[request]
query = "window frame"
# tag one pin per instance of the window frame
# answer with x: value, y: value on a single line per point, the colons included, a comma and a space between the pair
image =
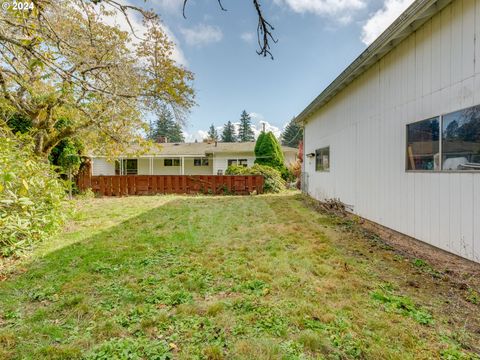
x: 121, y: 168
x: 204, y: 161
x: 173, y: 160
x: 440, y: 146
x: 319, y: 152
x: 237, y: 162
x: 440, y: 122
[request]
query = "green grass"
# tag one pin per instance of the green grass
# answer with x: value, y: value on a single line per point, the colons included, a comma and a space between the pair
x: 262, y: 277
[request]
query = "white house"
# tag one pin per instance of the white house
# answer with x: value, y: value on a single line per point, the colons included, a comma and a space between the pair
x: 203, y: 158
x: 397, y: 134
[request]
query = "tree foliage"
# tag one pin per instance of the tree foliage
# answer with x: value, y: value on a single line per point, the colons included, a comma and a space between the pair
x: 245, y: 132
x: 166, y: 126
x: 64, y: 60
x: 292, y: 135
x: 212, y: 133
x: 30, y: 195
x: 268, y: 151
x: 228, y: 133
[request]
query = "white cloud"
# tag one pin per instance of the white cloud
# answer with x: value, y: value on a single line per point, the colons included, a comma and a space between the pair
x: 198, y: 135
x: 383, y: 18
x: 118, y: 20
x: 341, y: 10
x: 257, y: 126
x: 202, y: 34
x: 169, y: 5
x: 248, y: 37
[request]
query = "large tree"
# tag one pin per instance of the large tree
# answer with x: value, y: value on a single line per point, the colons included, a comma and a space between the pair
x: 63, y: 60
x: 228, y: 133
x: 165, y: 126
x: 292, y: 135
x: 245, y: 132
x: 212, y: 133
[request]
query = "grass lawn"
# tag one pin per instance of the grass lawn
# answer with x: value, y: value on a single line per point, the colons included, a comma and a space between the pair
x: 262, y: 277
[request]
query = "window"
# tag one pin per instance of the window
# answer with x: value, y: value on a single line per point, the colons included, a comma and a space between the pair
x: 461, y: 140
x: 239, y: 162
x: 126, y: 167
x: 322, y: 159
x: 423, y: 145
x: 459, y: 149
x: 171, y: 162
x: 200, y: 162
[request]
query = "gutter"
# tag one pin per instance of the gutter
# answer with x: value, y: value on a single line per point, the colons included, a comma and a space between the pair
x: 407, y: 23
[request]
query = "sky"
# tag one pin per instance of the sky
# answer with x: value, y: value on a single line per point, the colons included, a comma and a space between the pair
x: 317, y: 40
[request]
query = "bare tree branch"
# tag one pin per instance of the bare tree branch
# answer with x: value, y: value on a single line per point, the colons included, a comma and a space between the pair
x: 264, y: 28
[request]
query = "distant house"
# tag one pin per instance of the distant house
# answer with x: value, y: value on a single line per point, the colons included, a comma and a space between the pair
x: 397, y: 134
x: 203, y: 158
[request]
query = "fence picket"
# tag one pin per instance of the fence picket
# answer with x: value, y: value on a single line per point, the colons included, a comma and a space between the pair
x: 122, y: 185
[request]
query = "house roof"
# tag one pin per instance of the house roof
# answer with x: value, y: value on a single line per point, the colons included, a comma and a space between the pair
x: 203, y: 148
x: 407, y: 23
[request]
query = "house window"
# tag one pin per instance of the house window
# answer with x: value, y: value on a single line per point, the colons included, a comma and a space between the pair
x: 171, y: 162
x: 126, y: 167
x: 200, y: 162
x: 239, y: 162
x: 322, y: 159
x: 461, y: 140
x: 459, y: 148
x: 423, y: 145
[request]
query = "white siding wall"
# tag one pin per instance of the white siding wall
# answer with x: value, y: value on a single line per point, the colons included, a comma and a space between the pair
x: 158, y: 168
x: 101, y: 166
x: 434, y: 71
x: 290, y: 158
x: 190, y: 169
x: 220, y: 161
x: 144, y: 166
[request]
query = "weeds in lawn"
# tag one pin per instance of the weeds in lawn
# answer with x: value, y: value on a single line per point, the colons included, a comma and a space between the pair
x: 401, y: 304
x: 424, y: 266
x: 210, y: 278
x: 472, y: 296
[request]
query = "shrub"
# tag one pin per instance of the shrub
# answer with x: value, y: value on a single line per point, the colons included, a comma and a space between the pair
x: 30, y: 195
x: 269, y: 152
x: 273, y: 179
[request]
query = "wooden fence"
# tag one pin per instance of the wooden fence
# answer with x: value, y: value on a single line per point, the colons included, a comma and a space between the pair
x: 171, y: 184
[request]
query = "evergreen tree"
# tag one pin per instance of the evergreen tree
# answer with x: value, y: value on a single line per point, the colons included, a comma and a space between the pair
x: 228, y: 134
x: 166, y: 126
x: 212, y: 133
x: 292, y: 135
x: 259, y: 141
x: 245, y: 132
x: 269, y: 152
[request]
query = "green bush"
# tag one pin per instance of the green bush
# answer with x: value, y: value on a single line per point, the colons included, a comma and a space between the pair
x: 31, y: 196
x: 273, y: 178
x: 268, y: 152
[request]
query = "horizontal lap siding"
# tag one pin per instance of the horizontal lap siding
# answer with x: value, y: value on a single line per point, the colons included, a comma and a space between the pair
x: 431, y: 72
x: 100, y: 166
